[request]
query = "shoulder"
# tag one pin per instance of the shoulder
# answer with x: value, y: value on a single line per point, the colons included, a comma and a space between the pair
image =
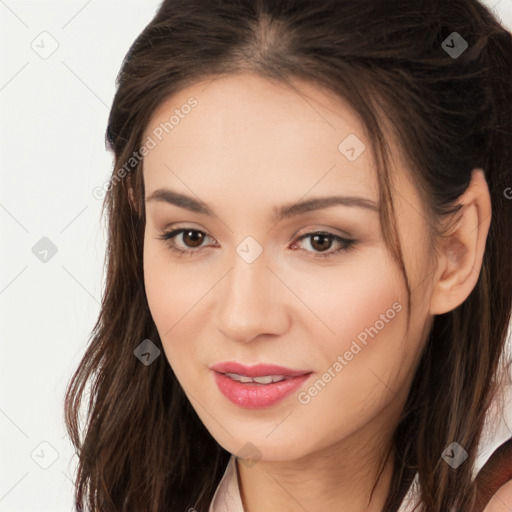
x: 502, y: 500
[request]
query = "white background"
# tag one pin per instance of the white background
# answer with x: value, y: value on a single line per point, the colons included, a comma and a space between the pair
x: 53, y: 118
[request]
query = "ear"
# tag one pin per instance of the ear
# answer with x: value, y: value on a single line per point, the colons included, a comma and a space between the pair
x: 462, y: 249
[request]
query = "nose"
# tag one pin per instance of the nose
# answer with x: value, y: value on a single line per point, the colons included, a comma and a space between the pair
x: 252, y: 301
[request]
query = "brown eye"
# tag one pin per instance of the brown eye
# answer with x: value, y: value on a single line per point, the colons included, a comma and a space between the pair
x: 191, y: 239
x: 196, y: 238
x: 321, y: 242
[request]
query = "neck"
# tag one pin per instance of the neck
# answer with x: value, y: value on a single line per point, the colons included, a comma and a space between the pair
x: 348, y: 476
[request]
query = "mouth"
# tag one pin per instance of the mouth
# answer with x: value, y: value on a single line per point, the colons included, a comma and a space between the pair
x: 267, y: 385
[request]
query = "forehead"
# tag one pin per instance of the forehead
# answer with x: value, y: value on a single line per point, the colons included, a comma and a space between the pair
x: 253, y: 136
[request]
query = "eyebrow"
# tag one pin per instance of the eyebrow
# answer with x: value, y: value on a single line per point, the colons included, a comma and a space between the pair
x: 278, y: 213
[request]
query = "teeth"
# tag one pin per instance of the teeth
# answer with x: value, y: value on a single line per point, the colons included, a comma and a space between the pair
x: 267, y: 379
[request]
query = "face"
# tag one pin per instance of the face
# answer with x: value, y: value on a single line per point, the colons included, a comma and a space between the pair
x: 316, y: 290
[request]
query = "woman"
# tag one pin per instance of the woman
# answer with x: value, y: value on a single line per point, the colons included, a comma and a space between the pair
x: 353, y: 374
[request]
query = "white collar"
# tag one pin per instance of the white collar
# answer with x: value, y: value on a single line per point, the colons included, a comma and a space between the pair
x: 227, y: 496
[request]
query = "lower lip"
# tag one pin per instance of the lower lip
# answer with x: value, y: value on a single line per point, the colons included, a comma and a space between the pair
x: 257, y: 396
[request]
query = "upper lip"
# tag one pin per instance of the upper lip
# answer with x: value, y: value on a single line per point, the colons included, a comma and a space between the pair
x: 258, y: 370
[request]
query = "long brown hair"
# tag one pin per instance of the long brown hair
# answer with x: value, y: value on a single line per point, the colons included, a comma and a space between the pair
x: 144, y: 447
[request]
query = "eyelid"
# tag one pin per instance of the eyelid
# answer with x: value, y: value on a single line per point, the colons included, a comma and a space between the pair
x: 338, y: 232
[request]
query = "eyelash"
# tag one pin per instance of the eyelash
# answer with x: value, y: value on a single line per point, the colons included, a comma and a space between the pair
x: 347, y: 243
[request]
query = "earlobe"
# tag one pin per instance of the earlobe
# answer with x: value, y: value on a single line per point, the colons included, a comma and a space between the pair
x: 462, y: 248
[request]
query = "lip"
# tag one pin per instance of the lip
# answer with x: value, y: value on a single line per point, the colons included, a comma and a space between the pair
x: 258, y: 370
x: 257, y: 396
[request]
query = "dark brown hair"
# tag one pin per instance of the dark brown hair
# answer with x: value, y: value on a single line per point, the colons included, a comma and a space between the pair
x: 144, y: 448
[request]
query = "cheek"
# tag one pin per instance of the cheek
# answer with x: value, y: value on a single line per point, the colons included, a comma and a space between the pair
x: 176, y: 296
x: 371, y: 311
x: 170, y: 287
x: 159, y: 285
x: 360, y: 345
x: 351, y: 300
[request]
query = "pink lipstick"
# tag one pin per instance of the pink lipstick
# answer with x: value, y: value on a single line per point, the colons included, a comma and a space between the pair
x: 255, y: 387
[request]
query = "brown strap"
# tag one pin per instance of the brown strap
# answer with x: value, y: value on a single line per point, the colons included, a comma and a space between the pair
x: 496, y: 472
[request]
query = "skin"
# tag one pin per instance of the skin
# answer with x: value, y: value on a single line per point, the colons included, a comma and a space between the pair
x: 249, y: 145
x: 502, y: 500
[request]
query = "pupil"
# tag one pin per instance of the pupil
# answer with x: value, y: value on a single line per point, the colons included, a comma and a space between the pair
x: 324, y: 237
x: 196, y: 237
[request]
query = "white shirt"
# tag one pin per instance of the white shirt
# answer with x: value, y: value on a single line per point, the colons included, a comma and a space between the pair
x: 227, y: 495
